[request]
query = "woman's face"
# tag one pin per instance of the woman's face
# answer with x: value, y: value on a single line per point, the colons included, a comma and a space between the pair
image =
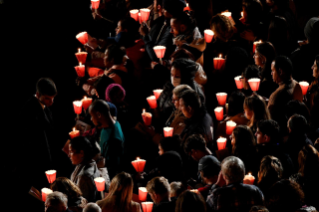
x: 175, y: 76
x: 315, y: 70
x: 260, y: 60
x: 75, y: 157
x: 187, y: 111
x: 248, y: 113
x: 118, y: 29
x: 160, y: 150
x: 175, y: 101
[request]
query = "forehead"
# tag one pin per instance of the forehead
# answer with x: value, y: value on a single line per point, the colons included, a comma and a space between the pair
x: 174, y: 22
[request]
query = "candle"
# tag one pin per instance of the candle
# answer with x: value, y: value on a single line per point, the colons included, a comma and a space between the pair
x: 304, y: 87
x: 254, y: 84
x: 51, y: 175
x: 147, y: 206
x: 242, y: 14
x: 100, y: 183
x: 45, y: 192
x: 230, y: 126
x: 255, y: 44
x: 142, y: 194
x: 80, y: 70
x: 95, y: 4
x: 227, y: 14
x: 221, y: 143
x: 139, y: 164
x: 81, y: 56
x: 219, y: 113
x: 152, y: 101
x: 194, y: 191
x: 208, y: 34
x: 145, y: 14
x: 86, y: 102
x: 77, y: 107
x: 159, y: 51
x: 187, y: 8
x: 147, y: 118
x: 249, y: 179
x: 79, y: 50
x: 221, y: 98
x: 157, y: 93
x: 134, y: 14
x: 82, y: 37
x: 168, y: 131
x: 219, y: 62
x: 74, y: 133
x: 239, y: 83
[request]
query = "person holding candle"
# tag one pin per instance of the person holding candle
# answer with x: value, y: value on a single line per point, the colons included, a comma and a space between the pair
x: 196, y: 147
x: 57, y: 202
x: 76, y: 202
x: 229, y: 193
x: 281, y: 71
x: 314, y: 86
x: 189, y: 201
x: 250, y: 72
x: 119, y: 198
x: 222, y: 27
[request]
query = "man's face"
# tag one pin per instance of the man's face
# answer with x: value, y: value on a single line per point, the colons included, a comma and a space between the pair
x: 274, y: 73
x: 175, y: 27
x: 45, y: 99
x: 260, y: 137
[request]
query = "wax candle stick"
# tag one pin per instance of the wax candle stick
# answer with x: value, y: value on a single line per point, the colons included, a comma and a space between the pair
x: 249, y: 179
x: 145, y: 14
x: 139, y: 164
x: 80, y: 70
x: 51, y: 175
x: 221, y: 143
x: 208, y: 34
x: 82, y: 37
x: 142, y: 194
x: 219, y: 62
x: 140, y: 18
x: 134, y: 14
x: 147, y: 118
x: 147, y: 206
x: 221, y: 98
x: 239, y: 83
x: 77, y: 107
x: 74, y: 133
x: 157, y: 93
x: 255, y: 44
x: 230, y: 126
x: 152, y: 101
x: 45, y: 192
x: 254, y: 84
x: 168, y: 131
x: 86, y: 102
x: 187, y: 8
x: 219, y: 113
x: 304, y: 87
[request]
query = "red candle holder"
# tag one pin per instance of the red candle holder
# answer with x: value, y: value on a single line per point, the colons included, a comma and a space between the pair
x: 142, y: 194
x: 45, y: 192
x: 254, y: 84
x: 219, y: 113
x: 82, y: 37
x: 51, y: 175
x: 134, y: 14
x: 77, y: 107
x: 304, y: 87
x: 86, y: 102
x: 159, y: 51
x: 239, y: 83
x: 81, y: 56
x: 147, y: 206
x: 221, y: 98
x: 152, y: 101
x: 249, y: 179
x: 219, y: 62
x: 230, y: 126
x: 93, y: 72
x: 221, y: 143
x: 145, y: 14
x: 140, y: 18
x: 168, y: 131
x: 74, y: 133
x: 255, y: 44
x: 147, y: 118
x: 80, y: 70
x: 139, y: 164
x: 100, y: 183
x: 157, y: 93
x: 208, y: 34
x: 95, y: 4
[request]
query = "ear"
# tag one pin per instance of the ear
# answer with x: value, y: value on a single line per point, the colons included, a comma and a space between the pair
x: 280, y: 72
x: 183, y: 27
x: 267, y: 138
x: 98, y: 114
x: 189, y: 109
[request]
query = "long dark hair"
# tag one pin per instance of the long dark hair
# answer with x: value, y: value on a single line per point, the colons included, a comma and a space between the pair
x: 267, y: 50
x: 245, y: 143
x: 83, y: 144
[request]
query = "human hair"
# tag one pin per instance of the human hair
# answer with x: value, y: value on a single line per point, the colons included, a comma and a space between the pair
x: 115, y: 93
x: 115, y: 54
x: 267, y: 50
x: 92, y: 207
x: 258, y: 208
x: 270, y: 172
x: 278, y: 32
x: 271, y: 129
x: 233, y: 169
x: 57, y: 199
x: 254, y: 10
x: 222, y: 27
x: 297, y: 107
x: 260, y: 111
x: 67, y: 187
x: 120, y: 193
x: 187, y: 67
x: 185, y: 20
x: 192, y: 100
x: 46, y: 86
x: 196, y: 142
x: 285, y: 65
x: 284, y: 195
x: 281, y: 4
x: 176, y: 188
x: 100, y: 106
x: 158, y: 185
x: 298, y: 124
x: 245, y: 143
x: 235, y: 103
x: 178, y: 90
x: 190, y: 201
x: 251, y: 71
x: 170, y: 143
x: 83, y: 144
x: 182, y: 53
x: 130, y: 25
x: 211, y: 167
x: 308, y: 159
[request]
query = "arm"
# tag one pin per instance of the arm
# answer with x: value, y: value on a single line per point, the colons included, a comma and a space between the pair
x: 87, y: 187
x: 297, y: 94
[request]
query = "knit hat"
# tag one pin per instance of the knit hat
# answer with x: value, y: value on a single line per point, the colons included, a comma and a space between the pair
x: 114, y: 89
x: 113, y: 109
x: 312, y: 30
x: 209, y: 162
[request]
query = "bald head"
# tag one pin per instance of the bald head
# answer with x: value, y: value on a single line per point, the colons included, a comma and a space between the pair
x: 92, y: 207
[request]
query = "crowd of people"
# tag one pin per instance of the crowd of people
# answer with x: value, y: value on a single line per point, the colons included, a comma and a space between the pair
x: 275, y: 141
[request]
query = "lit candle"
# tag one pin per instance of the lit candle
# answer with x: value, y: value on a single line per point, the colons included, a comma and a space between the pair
x: 86, y: 102
x: 157, y: 93
x: 142, y: 194
x: 219, y: 62
x: 51, y: 175
x: 147, y: 206
x: 160, y: 52
x: 81, y: 56
x: 100, y: 183
x: 239, y: 83
x: 219, y: 113
x: 208, y: 34
x: 80, y: 70
x: 77, y: 107
x: 230, y: 126
x: 74, y: 133
x: 139, y: 164
x: 95, y: 4
x: 254, y: 84
x: 168, y: 131
x: 255, y: 44
x: 79, y: 50
x: 134, y: 14
x: 147, y: 118
x: 152, y: 101
x: 227, y: 14
x: 82, y: 37
x: 249, y: 179
x: 304, y: 87
x: 187, y: 7
x: 145, y: 14
x: 221, y: 143
x: 242, y: 14
x: 221, y: 98
x: 45, y: 192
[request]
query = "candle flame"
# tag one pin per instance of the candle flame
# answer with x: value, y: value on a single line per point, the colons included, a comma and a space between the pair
x: 137, y: 158
x: 80, y: 64
x: 220, y: 56
x: 249, y: 174
x: 84, y: 97
x: 73, y: 129
x: 79, y: 50
x: 144, y: 110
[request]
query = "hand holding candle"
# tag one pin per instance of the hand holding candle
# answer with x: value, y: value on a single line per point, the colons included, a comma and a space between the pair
x: 45, y: 192
x: 100, y: 183
x: 304, y: 87
x: 221, y: 98
x: 254, y: 84
x: 134, y: 14
x: 145, y: 14
x: 249, y: 179
x: 81, y: 56
x: 219, y: 113
x: 208, y: 34
x: 221, y: 143
x: 168, y: 131
x: 147, y: 118
x: 219, y: 62
x: 74, y: 133
x: 160, y: 52
x: 51, y: 175
x: 139, y: 164
x: 230, y: 126
x: 147, y: 206
x: 142, y: 194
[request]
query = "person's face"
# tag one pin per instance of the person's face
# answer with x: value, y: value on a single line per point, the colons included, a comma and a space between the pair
x: 187, y: 111
x: 118, y: 29
x: 248, y: 113
x: 260, y: 60
x: 45, y: 99
x: 260, y: 137
x: 95, y: 117
x: 175, y: 100
x: 160, y: 150
x: 175, y: 27
x: 107, y: 63
x: 75, y: 157
x: 315, y: 72
x: 274, y: 73
x: 175, y: 76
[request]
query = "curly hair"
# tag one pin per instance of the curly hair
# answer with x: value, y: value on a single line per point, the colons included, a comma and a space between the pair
x: 67, y: 187
x: 222, y: 27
